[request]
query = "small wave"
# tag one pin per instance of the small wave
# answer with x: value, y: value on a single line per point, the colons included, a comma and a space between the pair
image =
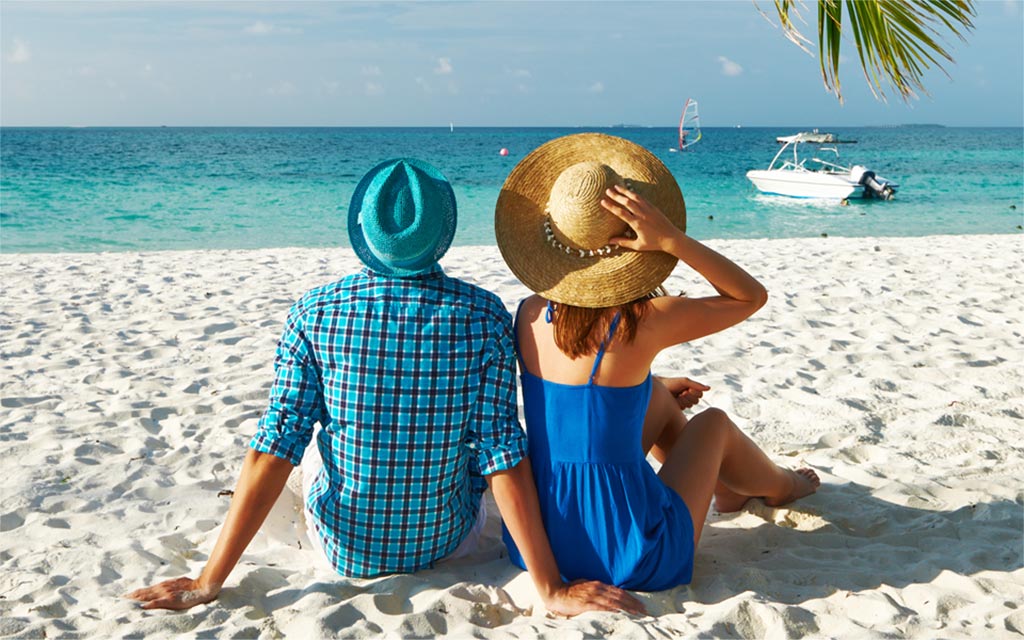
x: 129, y: 217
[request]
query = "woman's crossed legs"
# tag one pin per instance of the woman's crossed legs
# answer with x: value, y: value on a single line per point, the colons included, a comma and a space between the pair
x: 712, y: 457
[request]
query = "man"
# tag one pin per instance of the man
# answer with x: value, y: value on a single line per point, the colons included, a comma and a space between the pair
x: 411, y: 376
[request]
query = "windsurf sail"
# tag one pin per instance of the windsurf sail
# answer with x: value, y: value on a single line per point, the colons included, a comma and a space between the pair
x: 689, y: 125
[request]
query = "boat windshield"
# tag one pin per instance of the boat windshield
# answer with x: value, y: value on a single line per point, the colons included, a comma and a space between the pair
x: 797, y: 163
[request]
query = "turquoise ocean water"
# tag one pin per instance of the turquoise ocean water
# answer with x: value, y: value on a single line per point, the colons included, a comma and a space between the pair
x: 111, y: 189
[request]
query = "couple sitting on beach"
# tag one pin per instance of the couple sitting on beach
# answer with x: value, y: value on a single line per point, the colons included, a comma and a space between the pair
x: 403, y: 379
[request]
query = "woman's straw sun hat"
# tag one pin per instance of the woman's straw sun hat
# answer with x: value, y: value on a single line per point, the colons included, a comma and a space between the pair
x: 553, y: 232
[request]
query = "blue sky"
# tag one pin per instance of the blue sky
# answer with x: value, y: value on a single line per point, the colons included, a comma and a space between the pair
x: 471, y: 63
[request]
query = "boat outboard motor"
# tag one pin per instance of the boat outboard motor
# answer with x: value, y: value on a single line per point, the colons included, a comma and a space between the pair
x: 873, y: 187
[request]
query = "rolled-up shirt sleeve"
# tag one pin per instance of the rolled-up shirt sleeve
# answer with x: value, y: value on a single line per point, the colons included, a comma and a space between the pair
x: 296, y: 398
x: 495, y: 437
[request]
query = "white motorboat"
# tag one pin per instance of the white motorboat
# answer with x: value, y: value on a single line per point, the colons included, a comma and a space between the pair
x: 803, y: 177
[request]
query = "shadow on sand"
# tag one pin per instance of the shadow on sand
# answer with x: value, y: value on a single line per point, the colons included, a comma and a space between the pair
x: 840, y: 539
x: 845, y: 538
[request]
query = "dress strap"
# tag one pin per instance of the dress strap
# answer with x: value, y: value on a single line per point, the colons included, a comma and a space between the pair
x: 515, y: 333
x: 604, y: 344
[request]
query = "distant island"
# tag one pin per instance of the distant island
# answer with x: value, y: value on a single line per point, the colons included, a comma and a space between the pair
x: 911, y: 126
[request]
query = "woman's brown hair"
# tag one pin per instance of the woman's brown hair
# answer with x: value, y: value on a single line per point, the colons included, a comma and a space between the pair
x: 579, y: 331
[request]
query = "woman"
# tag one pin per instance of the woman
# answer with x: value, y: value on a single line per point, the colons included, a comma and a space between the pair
x: 594, y: 224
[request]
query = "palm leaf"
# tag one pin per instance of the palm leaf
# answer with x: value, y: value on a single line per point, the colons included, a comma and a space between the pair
x: 897, y: 41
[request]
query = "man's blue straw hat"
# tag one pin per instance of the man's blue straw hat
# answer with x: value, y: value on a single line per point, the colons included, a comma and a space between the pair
x: 402, y: 217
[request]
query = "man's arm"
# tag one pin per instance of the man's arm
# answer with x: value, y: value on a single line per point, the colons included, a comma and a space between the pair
x: 284, y: 431
x: 259, y: 485
x: 516, y: 496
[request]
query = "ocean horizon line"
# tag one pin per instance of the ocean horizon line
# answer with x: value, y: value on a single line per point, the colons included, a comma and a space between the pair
x: 909, y: 125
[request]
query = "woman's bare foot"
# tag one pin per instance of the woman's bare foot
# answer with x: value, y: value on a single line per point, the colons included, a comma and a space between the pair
x: 805, y: 482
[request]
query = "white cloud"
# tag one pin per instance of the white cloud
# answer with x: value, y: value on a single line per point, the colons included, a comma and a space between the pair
x: 20, y: 54
x: 980, y: 77
x: 374, y: 88
x: 283, y: 88
x: 729, y: 68
x: 259, y: 28
x: 372, y: 71
x: 147, y: 69
x: 424, y: 85
x: 520, y: 79
x: 444, y: 66
x: 597, y: 87
x: 87, y: 71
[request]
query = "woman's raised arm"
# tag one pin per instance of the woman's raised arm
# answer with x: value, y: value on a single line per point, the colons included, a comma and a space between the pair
x: 684, y: 319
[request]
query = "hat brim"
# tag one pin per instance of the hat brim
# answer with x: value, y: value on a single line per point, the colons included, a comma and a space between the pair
x: 447, y: 218
x: 593, y: 282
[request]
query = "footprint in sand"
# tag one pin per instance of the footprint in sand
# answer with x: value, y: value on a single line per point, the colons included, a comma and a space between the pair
x: 12, y: 520
x: 57, y: 523
x: 219, y: 327
x: 25, y: 401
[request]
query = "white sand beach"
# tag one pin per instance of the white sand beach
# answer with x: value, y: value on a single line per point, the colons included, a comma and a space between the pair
x: 894, y: 366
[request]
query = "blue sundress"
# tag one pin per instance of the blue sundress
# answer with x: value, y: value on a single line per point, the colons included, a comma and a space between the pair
x: 607, y: 514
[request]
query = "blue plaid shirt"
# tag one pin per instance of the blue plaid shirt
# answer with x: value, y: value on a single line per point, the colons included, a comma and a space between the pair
x: 413, y: 383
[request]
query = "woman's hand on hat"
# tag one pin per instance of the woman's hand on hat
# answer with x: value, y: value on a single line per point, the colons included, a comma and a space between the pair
x: 651, y: 230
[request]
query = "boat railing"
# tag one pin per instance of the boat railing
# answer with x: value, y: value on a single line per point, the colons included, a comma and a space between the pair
x: 797, y: 163
x: 789, y: 165
x: 831, y: 166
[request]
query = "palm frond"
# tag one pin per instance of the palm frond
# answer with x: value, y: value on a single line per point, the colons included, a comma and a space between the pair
x: 897, y: 41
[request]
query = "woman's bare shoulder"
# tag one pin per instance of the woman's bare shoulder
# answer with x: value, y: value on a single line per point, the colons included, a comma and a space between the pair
x: 531, y: 307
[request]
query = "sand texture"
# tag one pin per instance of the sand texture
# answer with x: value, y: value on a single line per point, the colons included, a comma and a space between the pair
x: 132, y: 382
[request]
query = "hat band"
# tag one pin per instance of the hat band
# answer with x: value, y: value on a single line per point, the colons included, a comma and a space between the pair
x: 582, y: 253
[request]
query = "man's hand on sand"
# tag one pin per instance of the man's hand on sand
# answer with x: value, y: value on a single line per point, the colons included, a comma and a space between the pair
x: 686, y: 392
x: 590, y: 595
x: 179, y: 593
